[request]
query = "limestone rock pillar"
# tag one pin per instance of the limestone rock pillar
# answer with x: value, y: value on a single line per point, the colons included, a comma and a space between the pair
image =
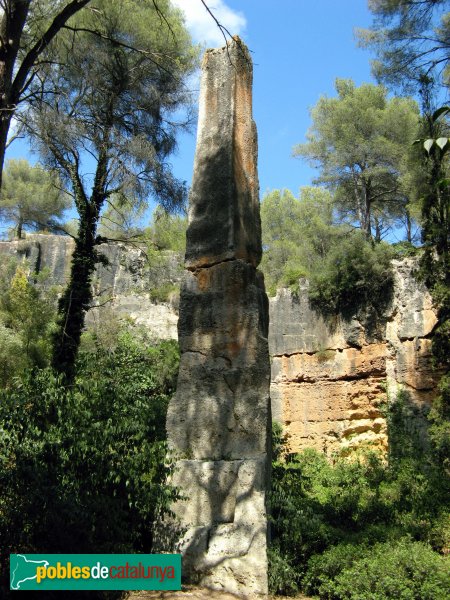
x: 219, y: 419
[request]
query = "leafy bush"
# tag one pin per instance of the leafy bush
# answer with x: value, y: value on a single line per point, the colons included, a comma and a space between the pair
x: 396, y: 569
x: 332, y: 521
x: 324, y: 568
x: 291, y: 275
x: 354, y: 277
x: 315, y: 504
x: 282, y: 576
x: 83, y: 469
x: 404, y: 249
x: 27, y: 315
x: 164, y: 292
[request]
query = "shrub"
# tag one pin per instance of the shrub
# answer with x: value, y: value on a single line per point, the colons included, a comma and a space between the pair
x: 27, y: 315
x: 396, y: 569
x: 164, y: 292
x: 354, y: 277
x: 291, y: 275
x: 282, y: 576
x: 83, y: 469
x: 328, y: 517
x: 404, y: 249
x: 324, y: 568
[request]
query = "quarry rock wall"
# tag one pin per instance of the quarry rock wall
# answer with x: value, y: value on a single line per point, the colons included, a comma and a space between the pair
x: 328, y: 384
x: 330, y: 381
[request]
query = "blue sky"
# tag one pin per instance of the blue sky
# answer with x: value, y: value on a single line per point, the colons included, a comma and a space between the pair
x: 299, y: 47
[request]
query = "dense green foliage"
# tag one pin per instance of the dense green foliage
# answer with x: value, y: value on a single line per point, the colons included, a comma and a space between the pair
x: 354, y: 277
x: 27, y: 314
x: 411, y: 40
x: 83, y: 469
x: 31, y: 198
x: 359, y: 512
x: 398, y: 569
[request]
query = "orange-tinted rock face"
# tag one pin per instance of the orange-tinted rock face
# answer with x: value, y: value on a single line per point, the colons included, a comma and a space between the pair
x: 328, y: 386
x: 332, y: 402
x: 224, y: 221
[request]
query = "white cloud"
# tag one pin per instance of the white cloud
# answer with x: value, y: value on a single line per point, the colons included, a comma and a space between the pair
x: 202, y: 26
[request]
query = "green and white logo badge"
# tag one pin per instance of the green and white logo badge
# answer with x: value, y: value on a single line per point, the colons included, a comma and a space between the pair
x: 95, y: 572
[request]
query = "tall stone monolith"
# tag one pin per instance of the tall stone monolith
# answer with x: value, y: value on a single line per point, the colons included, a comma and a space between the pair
x: 219, y: 419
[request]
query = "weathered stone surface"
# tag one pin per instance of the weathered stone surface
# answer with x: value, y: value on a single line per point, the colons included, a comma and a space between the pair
x: 224, y: 221
x: 295, y: 327
x: 328, y: 380
x: 124, y: 287
x: 160, y: 319
x: 413, y: 315
x: 218, y: 422
x: 222, y: 396
x: 51, y: 253
x: 333, y: 365
x: 408, y: 337
x: 227, y: 537
x: 331, y: 415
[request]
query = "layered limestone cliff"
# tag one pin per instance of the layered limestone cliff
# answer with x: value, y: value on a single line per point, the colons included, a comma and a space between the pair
x: 124, y: 286
x: 42, y: 253
x: 329, y: 383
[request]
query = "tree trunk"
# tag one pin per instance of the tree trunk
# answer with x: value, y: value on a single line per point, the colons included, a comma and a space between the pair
x: 77, y: 298
x: 11, y: 27
x: 366, y: 221
x: 377, y: 230
x: 19, y: 228
x: 408, y: 223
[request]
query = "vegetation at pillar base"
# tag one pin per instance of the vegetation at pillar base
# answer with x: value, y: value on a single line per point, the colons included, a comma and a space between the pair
x: 84, y: 468
x: 358, y: 527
